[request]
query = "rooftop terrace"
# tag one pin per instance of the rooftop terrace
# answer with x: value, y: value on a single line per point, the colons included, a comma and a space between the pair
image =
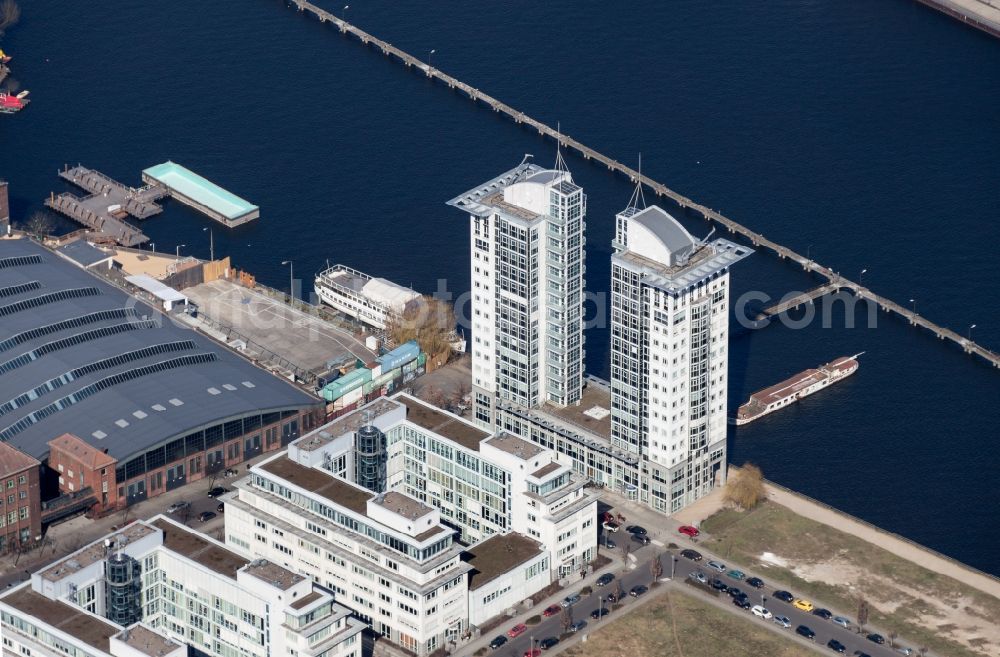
x: 94, y: 552
x: 199, y: 549
x: 403, y: 505
x: 70, y: 619
x: 345, y: 424
x: 148, y: 642
x: 323, y: 484
x: 515, y: 446
x: 592, y: 414
x: 498, y: 555
x: 273, y: 574
x: 445, y: 424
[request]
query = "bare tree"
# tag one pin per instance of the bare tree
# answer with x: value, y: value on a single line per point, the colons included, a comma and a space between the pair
x: 923, y: 651
x: 566, y: 618
x: 39, y: 225
x: 427, y: 320
x: 656, y: 568
x: 619, y: 590
x: 745, y: 489
x: 862, y: 614
x: 433, y: 395
x: 10, y: 13
x: 892, y: 638
x: 626, y: 548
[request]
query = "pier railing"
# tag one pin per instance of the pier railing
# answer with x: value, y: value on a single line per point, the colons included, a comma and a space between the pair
x: 757, y: 239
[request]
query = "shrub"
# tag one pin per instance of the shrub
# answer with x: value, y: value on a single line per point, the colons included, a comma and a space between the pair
x: 533, y: 620
x: 585, y: 591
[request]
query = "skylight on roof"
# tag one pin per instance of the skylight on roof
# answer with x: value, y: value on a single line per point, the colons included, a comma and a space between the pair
x: 176, y: 402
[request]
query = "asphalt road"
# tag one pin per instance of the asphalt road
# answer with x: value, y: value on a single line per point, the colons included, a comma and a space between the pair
x: 824, y: 629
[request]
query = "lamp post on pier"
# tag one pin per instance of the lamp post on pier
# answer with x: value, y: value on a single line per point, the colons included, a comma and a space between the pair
x: 971, y: 326
x: 291, y: 278
x: 211, y: 243
x: 429, y: 55
x: 177, y: 251
x: 861, y: 276
x: 343, y: 13
x: 913, y: 306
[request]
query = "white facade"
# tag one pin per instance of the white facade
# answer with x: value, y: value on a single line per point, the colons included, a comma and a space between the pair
x: 526, y: 238
x: 187, y: 590
x: 387, y: 556
x: 669, y: 354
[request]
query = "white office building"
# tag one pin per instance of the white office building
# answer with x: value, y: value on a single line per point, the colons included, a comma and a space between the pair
x: 387, y: 555
x: 157, y: 589
x: 527, y: 237
x: 669, y: 353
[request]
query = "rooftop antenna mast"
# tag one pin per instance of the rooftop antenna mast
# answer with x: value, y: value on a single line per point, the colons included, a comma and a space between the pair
x: 638, y: 200
x: 560, y: 162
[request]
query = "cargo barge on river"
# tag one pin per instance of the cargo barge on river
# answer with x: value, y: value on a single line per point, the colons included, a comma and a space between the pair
x: 791, y: 390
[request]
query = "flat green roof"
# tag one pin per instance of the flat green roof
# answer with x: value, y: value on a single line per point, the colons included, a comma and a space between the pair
x: 199, y: 189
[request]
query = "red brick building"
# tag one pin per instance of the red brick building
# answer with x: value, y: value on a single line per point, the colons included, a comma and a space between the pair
x: 20, y: 499
x: 84, y: 471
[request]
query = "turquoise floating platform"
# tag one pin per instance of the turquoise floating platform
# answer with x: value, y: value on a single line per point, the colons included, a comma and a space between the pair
x: 205, y: 196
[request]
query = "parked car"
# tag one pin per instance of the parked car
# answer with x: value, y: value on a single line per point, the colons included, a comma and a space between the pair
x: 178, y: 506
x: 782, y: 621
x: 545, y: 644
x: 533, y: 652
x: 843, y: 622
x: 636, y: 529
x: 860, y: 653
x: 597, y: 614
x: 577, y: 626
x: 611, y: 526
x: 803, y: 630
x: 551, y: 610
x: 737, y: 574
x: 497, y: 642
x: 825, y: 614
x: 517, y: 630
x: 742, y: 601
x: 642, y: 539
x: 570, y: 600
x: 698, y: 576
x: 836, y: 646
x: 761, y: 612
x: 221, y: 508
x: 612, y: 597
x: 609, y: 544
x: 688, y: 530
x: 735, y: 592
x: 905, y: 651
x: 719, y: 585
x: 784, y: 596
x: 218, y: 490
x: 205, y: 516
x: 801, y: 604
x: 876, y: 638
x: 605, y: 579
x: 693, y: 555
x: 756, y: 582
x: 636, y: 591
x: 716, y: 566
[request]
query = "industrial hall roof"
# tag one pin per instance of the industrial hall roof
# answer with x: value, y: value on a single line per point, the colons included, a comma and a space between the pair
x: 78, y: 355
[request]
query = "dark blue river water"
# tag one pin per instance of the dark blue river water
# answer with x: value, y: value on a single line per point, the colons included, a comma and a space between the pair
x: 864, y: 131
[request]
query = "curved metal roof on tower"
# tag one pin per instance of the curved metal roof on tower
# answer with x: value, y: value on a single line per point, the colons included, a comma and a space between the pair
x: 654, y: 234
x: 80, y: 356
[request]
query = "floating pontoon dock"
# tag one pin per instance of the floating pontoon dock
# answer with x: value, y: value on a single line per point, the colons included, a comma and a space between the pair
x: 203, y: 195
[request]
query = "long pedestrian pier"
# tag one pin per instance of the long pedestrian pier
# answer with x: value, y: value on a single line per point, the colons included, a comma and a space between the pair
x: 757, y: 239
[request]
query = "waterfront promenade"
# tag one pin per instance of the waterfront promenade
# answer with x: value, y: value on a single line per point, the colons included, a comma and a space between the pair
x: 980, y: 14
x: 833, y: 279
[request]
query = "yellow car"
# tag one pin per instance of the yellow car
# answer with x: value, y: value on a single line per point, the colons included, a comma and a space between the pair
x: 804, y: 605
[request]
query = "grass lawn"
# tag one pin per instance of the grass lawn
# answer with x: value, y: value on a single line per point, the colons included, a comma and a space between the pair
x: 677, y: 624
x: 819, y: 562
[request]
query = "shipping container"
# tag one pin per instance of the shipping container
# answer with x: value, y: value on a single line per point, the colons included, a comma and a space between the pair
x: 377, y: 383
x: 404, y: 353
x: 348, y: 398
x: 348, y: 382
